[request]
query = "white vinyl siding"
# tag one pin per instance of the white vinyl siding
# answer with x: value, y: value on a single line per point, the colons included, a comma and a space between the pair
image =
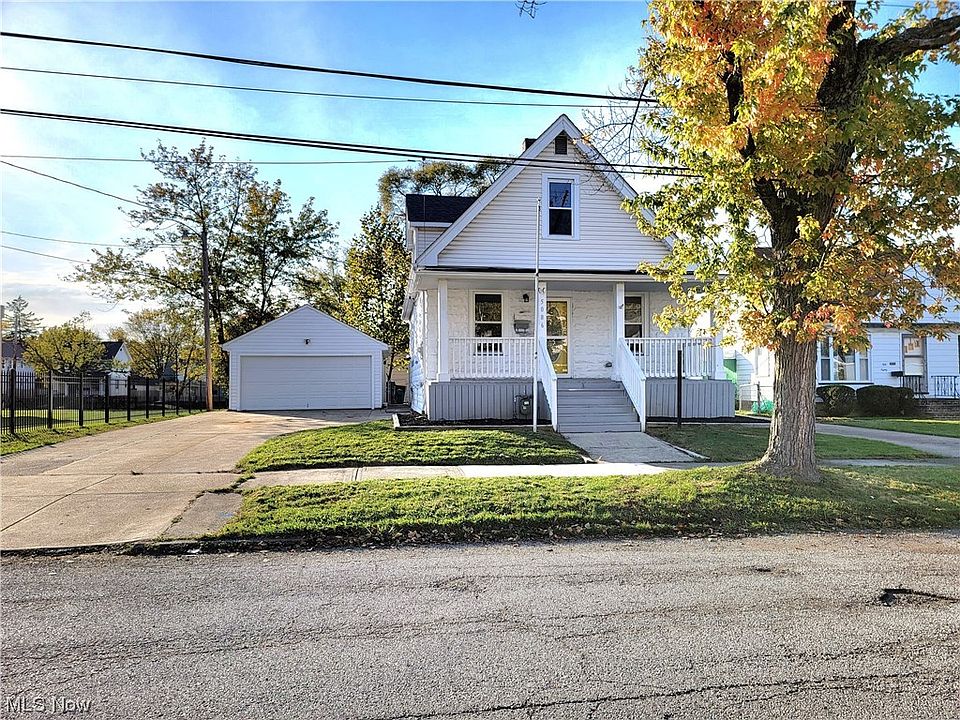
x: 503, y: 233
x: 417, y: 356
x: 305, y: 383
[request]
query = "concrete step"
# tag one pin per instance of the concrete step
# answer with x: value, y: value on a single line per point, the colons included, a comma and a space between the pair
x: 600, y: 427
x: 597, y: 418
x: 586, y: 383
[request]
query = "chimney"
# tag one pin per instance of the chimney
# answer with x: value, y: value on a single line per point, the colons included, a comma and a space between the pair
x: 527, y: 142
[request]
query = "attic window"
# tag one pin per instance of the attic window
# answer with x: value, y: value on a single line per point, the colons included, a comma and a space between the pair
x: 560, y: 144
x: 560, y: 211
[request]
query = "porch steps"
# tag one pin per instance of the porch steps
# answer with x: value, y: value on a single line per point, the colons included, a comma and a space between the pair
x: 590, y: 405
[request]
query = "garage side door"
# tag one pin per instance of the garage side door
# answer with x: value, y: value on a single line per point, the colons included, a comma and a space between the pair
x: 305, y: 383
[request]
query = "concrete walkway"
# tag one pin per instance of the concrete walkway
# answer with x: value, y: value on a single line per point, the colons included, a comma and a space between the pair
x: 933, y: 444
x: 399, y: 472
x: 628, y: 447
x: 131, y: 484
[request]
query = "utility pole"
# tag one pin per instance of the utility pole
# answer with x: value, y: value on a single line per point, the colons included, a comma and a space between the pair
x: 205, y: 280
x: 536, y: 319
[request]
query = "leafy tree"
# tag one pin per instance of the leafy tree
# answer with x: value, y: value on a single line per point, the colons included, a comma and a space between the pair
x: 825, y: 185
x: 276, y: 248
x: 257, y: 245
x: 163, y: 342
x: 376, y: 279
x: 19, y: 323
x: 323, y: 287
x: 70, y: 348
x: 439, y: 177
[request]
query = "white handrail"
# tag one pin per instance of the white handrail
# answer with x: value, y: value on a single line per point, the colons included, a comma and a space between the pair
x: 473, y: 357
x: 634, y: 380
x: 548, y: 376
x: 658, y: 356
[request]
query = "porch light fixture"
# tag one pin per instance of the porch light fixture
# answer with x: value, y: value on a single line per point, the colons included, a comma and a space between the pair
x: 526, y: 297
x: 306, y: 341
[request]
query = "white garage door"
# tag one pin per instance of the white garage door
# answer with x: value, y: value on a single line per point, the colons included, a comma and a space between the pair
x: 305, y: 383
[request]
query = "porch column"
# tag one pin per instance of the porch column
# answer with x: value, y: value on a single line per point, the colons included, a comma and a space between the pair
x: 443, y: 334
x: 541, y: 310
x: 618, y: 305
x: 718, y: 371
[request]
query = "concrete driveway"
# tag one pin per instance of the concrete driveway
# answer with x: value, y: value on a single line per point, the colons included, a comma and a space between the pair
x: 131, y: 484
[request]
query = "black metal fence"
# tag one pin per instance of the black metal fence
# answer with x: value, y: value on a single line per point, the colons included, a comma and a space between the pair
x: 33, y: 401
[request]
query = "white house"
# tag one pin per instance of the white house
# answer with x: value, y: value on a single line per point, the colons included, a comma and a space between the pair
x: 305, y: 360
x: 474, y: 311
x: 896, y: 357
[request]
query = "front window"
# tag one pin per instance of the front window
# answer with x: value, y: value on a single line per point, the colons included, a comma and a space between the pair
x: 633, y: 317
x: 488, y: 315
x: 840, y: 365
x: 560, y: 208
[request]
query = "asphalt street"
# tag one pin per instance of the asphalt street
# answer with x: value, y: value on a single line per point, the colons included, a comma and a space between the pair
x: 778, y: 627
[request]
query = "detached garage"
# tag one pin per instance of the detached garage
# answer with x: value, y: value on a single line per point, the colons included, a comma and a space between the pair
x: 305, y: 360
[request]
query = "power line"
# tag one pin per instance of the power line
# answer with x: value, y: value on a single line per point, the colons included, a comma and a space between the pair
x: 640, y: 169
x: 214, y: 162
x: 69, y: 242
x: 248, y: 88
x: 70, y: 182
x: 327, y: 71
x: 46, y: 255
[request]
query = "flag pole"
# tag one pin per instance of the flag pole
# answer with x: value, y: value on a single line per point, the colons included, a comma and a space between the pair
x: 536, y: 320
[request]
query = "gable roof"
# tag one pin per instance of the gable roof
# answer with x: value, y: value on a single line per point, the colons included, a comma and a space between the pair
x: 442, y: 209
x: 12, y: 349
x: 307, y: 309
x: 561, y: 124
x: 111, y: 348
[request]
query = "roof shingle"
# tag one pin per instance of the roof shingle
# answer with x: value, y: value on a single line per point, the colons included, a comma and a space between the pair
x: 437, y: 208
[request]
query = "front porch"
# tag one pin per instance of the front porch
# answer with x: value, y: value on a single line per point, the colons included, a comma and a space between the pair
x: 590, y: 342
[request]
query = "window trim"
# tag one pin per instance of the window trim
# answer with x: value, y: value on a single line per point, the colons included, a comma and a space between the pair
x: 574, y: 181
x: 642, y: 297
x: 858, y: 357
x: 474, y: 321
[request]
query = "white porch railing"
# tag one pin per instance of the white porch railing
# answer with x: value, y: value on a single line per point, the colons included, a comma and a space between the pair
x: 491, y: 357
x: 634, y: 380
x: 658, y: 356
x: 548, y: 376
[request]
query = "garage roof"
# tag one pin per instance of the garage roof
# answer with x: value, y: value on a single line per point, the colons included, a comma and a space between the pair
x: 308, y: 323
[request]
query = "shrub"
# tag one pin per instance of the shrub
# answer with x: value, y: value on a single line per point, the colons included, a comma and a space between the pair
x: 907, y: 402
x: 881, y: 400
x: 838, y: 400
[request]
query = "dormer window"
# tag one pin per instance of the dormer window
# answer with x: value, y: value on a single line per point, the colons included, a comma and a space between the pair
x: 560, y: 144
x: 560, y: 207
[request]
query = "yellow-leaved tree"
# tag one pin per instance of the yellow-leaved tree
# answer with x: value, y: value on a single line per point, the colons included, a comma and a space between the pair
x: 823, y: 189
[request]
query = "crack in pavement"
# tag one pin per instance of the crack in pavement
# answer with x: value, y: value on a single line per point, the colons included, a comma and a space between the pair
x: 796, y: 686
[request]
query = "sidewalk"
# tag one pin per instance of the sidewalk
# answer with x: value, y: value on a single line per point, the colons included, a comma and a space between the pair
x: 932, y: 444
x: 399, y: 472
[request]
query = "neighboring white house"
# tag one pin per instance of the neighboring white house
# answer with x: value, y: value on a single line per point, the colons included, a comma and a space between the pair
x: 896, y: 357
x: 473, y: 308
x: 305, y: 360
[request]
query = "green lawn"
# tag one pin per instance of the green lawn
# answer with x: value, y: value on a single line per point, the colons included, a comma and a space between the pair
x: 946, y: 428
x: 698, y: 501
x: 377, y: 443
x: 736, y: 442
x: 37, y: 437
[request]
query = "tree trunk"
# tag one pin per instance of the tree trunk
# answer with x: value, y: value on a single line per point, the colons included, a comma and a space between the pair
x: 790, y: 450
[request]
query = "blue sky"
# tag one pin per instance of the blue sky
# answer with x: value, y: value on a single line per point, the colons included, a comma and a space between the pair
x: 570, y: 45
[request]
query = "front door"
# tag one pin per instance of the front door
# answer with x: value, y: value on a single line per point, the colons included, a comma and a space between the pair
x: 558, y: 335
x: 914, y: 363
